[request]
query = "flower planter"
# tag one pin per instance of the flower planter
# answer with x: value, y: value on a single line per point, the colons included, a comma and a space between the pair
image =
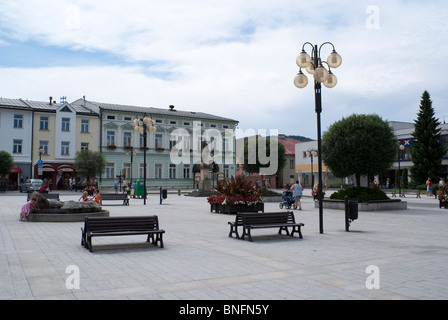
x: 234, y: 208
x: 443, y: 204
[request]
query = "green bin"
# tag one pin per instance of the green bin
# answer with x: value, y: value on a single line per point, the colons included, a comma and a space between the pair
x: 138, y: 188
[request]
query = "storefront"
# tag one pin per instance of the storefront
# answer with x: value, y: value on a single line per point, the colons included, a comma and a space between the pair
x: 57, y: 175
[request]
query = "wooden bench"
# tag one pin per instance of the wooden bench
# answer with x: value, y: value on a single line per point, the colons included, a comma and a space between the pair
x: 45, y: 195
x: 416, y: 192
x: 234, y: 225
x: 121, y: 226
x: 115, y: 196
x: 254, y: 220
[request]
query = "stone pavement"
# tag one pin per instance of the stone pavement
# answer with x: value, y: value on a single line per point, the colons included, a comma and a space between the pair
x: 397, y: 254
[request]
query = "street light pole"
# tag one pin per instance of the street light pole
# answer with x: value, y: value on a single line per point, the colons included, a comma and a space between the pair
x: 142, y: 127
x: 314, y: 66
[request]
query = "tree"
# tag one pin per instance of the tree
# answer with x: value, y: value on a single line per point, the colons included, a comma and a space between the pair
x: 6, y: 162
x: 258, y: 157
x: 360, y: 145
x: 89, y: 163
x: 427, y: 152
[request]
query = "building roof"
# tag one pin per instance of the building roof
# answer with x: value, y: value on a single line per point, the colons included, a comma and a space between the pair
x: 289, y: 143
x: 150, y: 110
x: 32, y: 105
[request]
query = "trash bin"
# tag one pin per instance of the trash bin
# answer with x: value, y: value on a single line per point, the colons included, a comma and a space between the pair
x: 139, y: 188
x: 164, y: 193
x: 352, y: 210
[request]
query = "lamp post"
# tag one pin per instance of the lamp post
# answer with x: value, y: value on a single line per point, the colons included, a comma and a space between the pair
x: 401, y: 147
x: 143, y: 127
x: 312, y: 153
x: 314, y: 65
x: 132, y: 153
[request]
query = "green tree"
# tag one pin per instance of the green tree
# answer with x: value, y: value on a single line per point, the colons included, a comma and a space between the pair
x: 264, y: 155
x: 6, y: 162
x: 359, y: 145
x: 89, y: 163
x: 427, y: 152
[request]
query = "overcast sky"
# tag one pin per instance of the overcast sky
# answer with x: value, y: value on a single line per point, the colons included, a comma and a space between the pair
x: 233, y: 58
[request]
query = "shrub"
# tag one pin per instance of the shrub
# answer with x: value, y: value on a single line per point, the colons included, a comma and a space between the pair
x: 360, y: 194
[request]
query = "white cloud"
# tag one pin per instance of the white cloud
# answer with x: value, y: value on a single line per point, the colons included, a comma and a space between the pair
x: 235, y: 58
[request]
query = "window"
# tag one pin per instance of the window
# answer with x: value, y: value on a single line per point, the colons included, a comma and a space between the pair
x: 127, y: 139
x: 84, y: 146
x: 172, y: 171
x: 17, y: 146
x: 43, y: 145
x: 127, y: 170
x: 142, y: 140
x: 110, y: 170
x: 65, y: 124
x: 18, y: 121
x: 158, y: 141
x: 110, y: 117
x: 291, y: 164
x: 186, y: 171
x: 84, y: 125
x: 65, y: 147
x: 141, y: 170
x: 43, y: 123
x: 226, y: 171
x: 158, y: 171
x: 173, y: 141
x: 110, y: 138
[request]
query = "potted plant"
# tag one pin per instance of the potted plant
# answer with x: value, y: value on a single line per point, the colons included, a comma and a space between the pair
x: 236, y: 195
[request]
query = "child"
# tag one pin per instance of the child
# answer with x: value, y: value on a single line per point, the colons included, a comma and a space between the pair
x: 97, y: 197
x: 84, y: 197
x: 26, y: 209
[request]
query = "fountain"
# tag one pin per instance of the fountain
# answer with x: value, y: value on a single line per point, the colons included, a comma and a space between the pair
x: 53, y: 210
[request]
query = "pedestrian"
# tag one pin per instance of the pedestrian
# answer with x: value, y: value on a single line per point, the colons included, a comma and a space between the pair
x: 441, y: 184
x: 26, y: 208
x: 429, y: 187
x: 97, y: 197
x: 116, y: 185
x: 84, y: 197
x: 297, y: 194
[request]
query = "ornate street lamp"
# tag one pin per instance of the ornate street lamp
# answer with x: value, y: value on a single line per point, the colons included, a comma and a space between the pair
x: 314, y: 65
x: 143, y: 127
x: 312, y: 153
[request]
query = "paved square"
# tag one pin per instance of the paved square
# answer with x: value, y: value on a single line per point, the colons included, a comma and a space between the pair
x: 407, y: 249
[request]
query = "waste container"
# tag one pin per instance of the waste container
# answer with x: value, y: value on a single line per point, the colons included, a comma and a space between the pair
x: 352, y: 210
x: 164, y: 193
x: 139, y: 188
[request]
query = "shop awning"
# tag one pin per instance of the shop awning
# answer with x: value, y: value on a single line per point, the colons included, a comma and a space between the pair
x: 15, y: 169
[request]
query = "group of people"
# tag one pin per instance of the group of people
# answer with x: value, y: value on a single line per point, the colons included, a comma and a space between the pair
x: 96, y: 196
x: 429, y: 186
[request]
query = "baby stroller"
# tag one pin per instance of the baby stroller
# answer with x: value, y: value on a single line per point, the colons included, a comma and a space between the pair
x: 287, y: 199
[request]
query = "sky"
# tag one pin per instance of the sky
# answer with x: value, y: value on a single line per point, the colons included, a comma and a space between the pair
x: 233, y: 58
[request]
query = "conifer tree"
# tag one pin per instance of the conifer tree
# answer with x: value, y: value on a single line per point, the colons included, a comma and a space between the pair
x: 427, y: 152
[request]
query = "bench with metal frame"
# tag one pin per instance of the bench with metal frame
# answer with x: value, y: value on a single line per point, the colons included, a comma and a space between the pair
x: 121, y: 226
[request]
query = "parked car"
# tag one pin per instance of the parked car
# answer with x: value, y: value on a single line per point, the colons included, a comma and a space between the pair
x: 31, y: 185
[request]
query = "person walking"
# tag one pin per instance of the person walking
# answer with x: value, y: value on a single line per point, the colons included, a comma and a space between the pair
x: 428, y: 187
x: 297, y: 192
